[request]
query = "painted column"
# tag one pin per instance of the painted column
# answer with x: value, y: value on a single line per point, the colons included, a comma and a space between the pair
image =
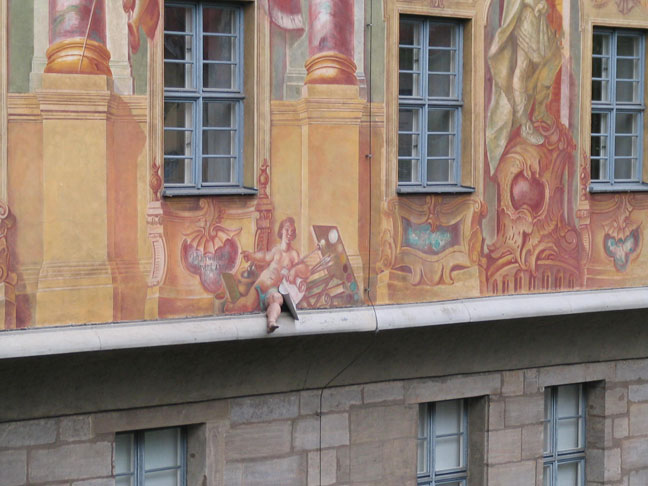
x: 77, y: 37
x: 330, y: 43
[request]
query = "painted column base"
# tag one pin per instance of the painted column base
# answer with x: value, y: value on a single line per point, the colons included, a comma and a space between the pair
x: 74, y: 293
x: 70, y: 57
x: 331, y: 68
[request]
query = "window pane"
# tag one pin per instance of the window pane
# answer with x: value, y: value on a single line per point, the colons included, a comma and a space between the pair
x: 569, y: 474
x: 600, y: 90
x: 408, y: 120
x: 547, y: 437
x: 448, y: 417
x: 408, y: 145
x: 568, y: 434
x: 178, y: 143
x: 447, y: 453
x: 627, y: 91
x: 219, y: 76
x: 178, y: 114
x: 124, y: 481
x: 548, y: 417
x: 598, y: 169
x: 408, y: 84
x: 409, y: 59
x: 410, y: 33
x: 220, y: 20
x: 218, y: 170
x: 599, y: 146
x: 547, y: 480
x: 627, y: 69
x: 219, y: 142
x: 422, y: 461
x: 440, y: 170
x: 442, y: 35
x: 600, y: 67
x: 441, y: 85
x: 163, y: 478
x: 441, y: 145
x: 599, y: 123
x: 219, y: 114
x: 178, y: 19
x: 627, y: 123
x: 408, y: 171
x: 217, y: 48
x: 441, y: 120
x: 441, y: 61
x: 178, y: 75
x: 601, y: 44
x: 624, y: 169
x: 178, y: 171
x: 124, y: 453
x: 627, y: 45
x: 568, y: 401
x: 161, y: 448
x: 178, y: 47
x: 625, y: 146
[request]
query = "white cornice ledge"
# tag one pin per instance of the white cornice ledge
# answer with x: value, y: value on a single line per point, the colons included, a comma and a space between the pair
x: 141, y: 334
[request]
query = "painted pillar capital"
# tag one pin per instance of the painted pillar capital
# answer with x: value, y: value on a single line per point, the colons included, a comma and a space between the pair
x: 330, y: 43
x: 77, y: 37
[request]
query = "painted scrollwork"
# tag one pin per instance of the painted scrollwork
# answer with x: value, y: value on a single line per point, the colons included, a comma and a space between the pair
x: 432, y: 240
x: 6, y: 275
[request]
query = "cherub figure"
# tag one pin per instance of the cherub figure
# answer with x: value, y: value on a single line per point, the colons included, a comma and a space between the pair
x: 283, y: 263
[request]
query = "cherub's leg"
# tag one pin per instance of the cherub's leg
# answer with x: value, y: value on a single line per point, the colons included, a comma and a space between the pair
x: 273, y: 301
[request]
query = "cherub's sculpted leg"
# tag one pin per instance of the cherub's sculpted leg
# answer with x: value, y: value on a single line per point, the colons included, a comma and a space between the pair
x: 274, y: 302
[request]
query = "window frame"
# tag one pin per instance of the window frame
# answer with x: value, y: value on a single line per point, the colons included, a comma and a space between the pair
x: 423, y: 103
x: 612, y: 107
x: 554, y: 457
x: 198, y: 96
x: 432, y: 477
x: 138, y: 474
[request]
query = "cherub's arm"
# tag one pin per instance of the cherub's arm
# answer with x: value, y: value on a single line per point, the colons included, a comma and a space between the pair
x: 259, y: 256
x: 298, y: 270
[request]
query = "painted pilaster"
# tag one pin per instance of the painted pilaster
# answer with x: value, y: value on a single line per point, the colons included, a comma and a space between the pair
x: 41, y: 43
x: 7, y: 277
x: 117, y: 43
x: 75, y: 282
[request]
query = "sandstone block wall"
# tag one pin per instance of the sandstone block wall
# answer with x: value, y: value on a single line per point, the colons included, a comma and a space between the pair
x: 353, y: 435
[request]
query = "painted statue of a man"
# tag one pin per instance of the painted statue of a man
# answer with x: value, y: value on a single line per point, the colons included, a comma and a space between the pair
x: 524, y: 59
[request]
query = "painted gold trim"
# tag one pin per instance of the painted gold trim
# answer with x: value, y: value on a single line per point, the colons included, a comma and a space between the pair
x: 77, y: 56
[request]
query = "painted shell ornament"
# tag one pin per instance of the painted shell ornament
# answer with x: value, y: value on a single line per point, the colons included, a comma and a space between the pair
x: 209, y: 253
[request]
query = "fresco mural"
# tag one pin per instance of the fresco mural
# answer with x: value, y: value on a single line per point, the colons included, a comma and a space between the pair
x: 86, y: 234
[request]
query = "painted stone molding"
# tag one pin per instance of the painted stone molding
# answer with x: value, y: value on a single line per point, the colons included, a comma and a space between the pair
x: 623, y: 6
x: 432, y: 239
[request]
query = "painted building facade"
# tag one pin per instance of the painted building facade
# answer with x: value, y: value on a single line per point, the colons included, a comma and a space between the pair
x: 452, y: 193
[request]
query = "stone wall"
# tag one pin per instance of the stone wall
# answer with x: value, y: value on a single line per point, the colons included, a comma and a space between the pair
x: 368, y: 433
